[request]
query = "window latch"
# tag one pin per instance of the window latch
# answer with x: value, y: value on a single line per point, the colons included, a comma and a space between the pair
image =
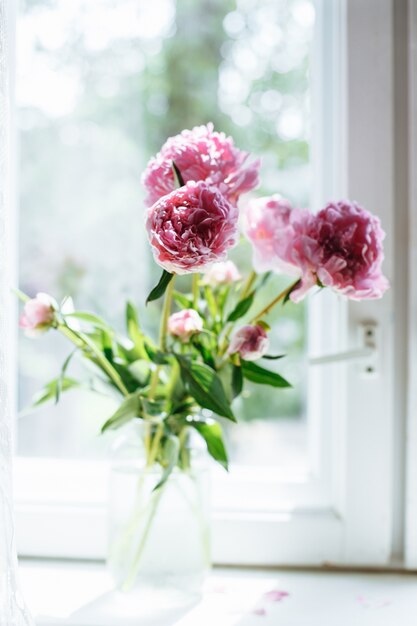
x: 367, y: 354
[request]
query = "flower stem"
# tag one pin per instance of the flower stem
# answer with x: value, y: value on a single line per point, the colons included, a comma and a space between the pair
x: 162, y: 335
x: 154, y: 382
x: 246, y: 289
x: 165, y: 314
x: 248, y: 285
x: 153, y: 452
x: 130, y: 580
x: 152, y: 444
x: 270, y: 306
x: 211, y: 302
x: 183, y: 448
x: 196, y: 290
x: 197, y: 510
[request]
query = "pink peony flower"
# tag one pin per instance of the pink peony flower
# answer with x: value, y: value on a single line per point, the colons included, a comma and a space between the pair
x: 339, y: 247
x: 222, y: 274
x: 271, y: 225
x: 201, y: 154
x: 191, y: 228
x: 251, y: 342
x: 184, y: 324
x: 38, y: 314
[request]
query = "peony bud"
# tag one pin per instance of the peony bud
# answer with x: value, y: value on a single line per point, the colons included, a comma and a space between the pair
x: 184, y: 324
x: 222, y: 274
x: 38, y: 315
x: 251, y: 342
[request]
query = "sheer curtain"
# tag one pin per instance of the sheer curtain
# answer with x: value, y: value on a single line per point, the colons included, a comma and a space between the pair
x: 13, y: 611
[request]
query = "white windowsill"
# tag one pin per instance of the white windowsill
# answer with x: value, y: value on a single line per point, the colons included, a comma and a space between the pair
x: 66, y: 593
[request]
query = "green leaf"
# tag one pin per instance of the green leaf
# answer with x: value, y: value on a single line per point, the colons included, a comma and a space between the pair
x: 273, y: 357
x: 264, y: 325
x: 132, y: 318
x: 132, y: 323
x: 212, y: 434
x: 135, y: 334
x: 241, y: 308
x: 140, y: 371
x: 293, y: 288
x: 154, y: 354
x: 49, y: 391
x: 160, y: 288
x: 182, y: 300
x: 206, y: 354
x: 265, y: 279
x: 107, y: 345
x: 205, y: 387
x: 237, y: 381
x: 130, y: 408
x: 182, y: 408
x: 128, y: 378
x: 257, y: 374
x: 154, y: 408
x: 178, y: 179
x: 169, y: 459
x: 61, y: 377
x: 211, y: 302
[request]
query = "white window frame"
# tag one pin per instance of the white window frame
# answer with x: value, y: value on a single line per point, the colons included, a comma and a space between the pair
x: 410, y: 187
x: 350, y: 518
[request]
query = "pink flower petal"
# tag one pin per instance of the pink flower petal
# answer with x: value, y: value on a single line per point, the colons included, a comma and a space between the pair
x: 339, y: 247
x: 261, y: 612
x: 191, y: 228
x: 276, y: 595
x: 251, y: 342
x: 201, y: 154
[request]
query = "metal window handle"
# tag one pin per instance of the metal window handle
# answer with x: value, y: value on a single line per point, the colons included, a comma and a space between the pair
x: 368, y: 353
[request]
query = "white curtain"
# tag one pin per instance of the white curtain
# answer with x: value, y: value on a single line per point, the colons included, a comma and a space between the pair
x: 13, y: 611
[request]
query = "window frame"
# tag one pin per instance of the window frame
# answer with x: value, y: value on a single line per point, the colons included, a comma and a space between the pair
x: 350, y: 522
x: 410, y: 191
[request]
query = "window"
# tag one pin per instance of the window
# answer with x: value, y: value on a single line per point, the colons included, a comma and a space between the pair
x: 100, y: 87
x: 108, y: 99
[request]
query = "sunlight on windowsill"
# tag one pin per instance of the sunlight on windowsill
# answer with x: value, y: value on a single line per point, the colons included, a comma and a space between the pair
x: 74, y: 593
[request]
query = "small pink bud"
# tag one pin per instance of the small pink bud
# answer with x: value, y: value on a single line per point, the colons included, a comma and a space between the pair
x: 184, y: 324
x: 38, y: 314
x: 222, y: 274
x: 251, y: 342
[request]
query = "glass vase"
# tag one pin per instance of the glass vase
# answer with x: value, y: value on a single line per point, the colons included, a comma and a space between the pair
x: 159, y: 539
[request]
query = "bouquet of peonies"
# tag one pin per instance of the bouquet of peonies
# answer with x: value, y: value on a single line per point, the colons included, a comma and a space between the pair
x: 204, y: 354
